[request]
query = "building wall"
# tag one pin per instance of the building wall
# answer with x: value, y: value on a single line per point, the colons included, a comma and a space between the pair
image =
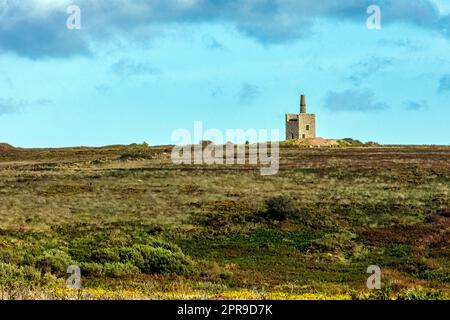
x: 296, y: 126
x: 292, y: 127
x: 305, y: 121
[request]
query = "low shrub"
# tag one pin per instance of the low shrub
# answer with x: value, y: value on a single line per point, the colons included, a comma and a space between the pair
x: 349, y: 142
x: 54, y: 261
x: 280, y: 208
x: 105, y: 255
x: 413, y: 294
x: 131, y: 255
x: 142, y: 253
x: 11, y: 275
x: 92, y: 269
x: 161, y: 260
x: 398, y: 250
x: 119, y: 269
x: 435, y: 275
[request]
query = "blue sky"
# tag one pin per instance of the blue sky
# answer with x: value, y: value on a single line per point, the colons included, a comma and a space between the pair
x: 138, y: 70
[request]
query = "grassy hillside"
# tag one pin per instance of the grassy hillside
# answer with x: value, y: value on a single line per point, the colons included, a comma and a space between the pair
x: 142, y: 227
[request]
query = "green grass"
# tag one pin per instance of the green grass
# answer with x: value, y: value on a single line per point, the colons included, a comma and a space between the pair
x: 141, y: 227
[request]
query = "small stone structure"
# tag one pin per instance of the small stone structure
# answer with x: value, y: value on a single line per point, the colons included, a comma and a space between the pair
x: 302, y: 125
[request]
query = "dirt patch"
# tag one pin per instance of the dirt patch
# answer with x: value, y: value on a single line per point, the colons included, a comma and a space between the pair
x: 434, y: 231
x: 316, y: 142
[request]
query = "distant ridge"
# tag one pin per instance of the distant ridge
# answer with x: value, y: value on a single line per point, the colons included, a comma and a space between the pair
x: 7, y: 149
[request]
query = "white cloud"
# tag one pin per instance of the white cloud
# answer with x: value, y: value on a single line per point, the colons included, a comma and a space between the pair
x: 443, y: 5
x: 268, y: 21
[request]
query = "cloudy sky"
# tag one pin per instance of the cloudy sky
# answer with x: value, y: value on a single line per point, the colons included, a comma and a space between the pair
x: 137, y: 70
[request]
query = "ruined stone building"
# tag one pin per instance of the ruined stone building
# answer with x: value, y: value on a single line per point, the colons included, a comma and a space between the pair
x: 302, y: 125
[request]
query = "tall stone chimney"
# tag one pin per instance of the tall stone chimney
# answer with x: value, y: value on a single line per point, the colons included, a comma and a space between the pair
x: 302, y: 104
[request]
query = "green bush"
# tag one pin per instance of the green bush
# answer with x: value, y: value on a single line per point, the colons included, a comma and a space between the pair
x: 160, y: 260
x: 121, y: 261
x: 118, y: 269
x: 12, y: 256
x: 12, y: 276
x: 349, y: 142
x: 140, y: 252
x: 83, y: 248
x: 92, y: 269
x: 435, y: 275
x: 131, y: 255
x: 398, y: 250
x: 54, y: 261
x: 105, y: 255
x: 280, y: 208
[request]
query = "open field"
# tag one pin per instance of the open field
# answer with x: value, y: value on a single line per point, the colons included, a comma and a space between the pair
x: 142, y: 227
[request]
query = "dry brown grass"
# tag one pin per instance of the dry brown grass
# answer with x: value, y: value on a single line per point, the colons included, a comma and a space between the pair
x: 381, y: 195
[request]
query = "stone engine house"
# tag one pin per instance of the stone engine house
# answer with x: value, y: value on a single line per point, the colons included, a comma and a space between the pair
x: 302, y: 125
